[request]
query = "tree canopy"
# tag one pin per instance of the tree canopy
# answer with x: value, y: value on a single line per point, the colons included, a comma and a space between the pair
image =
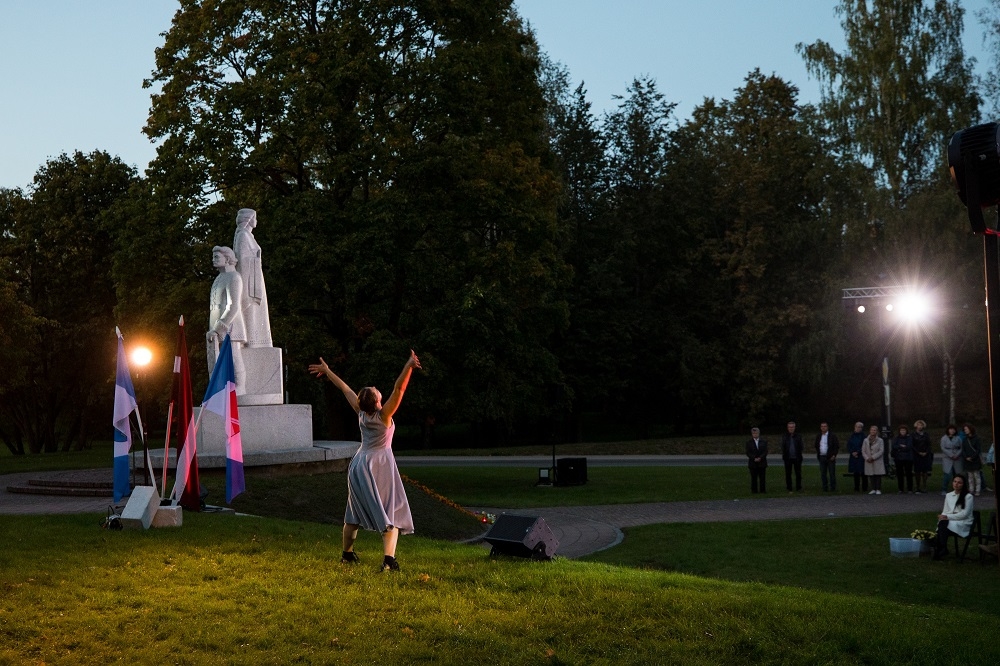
x: 425, y: 177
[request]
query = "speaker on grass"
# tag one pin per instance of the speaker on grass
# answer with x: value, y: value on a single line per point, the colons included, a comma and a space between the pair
x: 522, y: 536
x: 140, y: 508
x: 571, y: 471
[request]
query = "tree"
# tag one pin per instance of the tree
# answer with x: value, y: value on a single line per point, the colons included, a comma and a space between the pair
x: 18, y: 335
x: 771, y: 206
x: 592, y: 345
x: 396, y: 155
x: 56, y: 251
x: 895, y: 97
x: 901, y: 88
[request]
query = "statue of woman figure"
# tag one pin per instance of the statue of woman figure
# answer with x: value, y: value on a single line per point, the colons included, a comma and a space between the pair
x: 255, y: 315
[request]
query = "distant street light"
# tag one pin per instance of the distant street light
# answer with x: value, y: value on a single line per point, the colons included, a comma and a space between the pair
x: 142, y: 356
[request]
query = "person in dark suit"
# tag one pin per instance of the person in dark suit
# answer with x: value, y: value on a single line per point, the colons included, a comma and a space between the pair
x: 827, y: 447
x: 756, y: 449
x: 791, y: 453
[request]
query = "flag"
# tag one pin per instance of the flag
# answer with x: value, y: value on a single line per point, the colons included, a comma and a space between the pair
x: 220, y: 398
x: 185, y: 431
x: 125, y: 404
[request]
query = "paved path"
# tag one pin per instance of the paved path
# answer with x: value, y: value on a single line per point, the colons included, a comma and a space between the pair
x: 581, y: 530
x: 16, y: 503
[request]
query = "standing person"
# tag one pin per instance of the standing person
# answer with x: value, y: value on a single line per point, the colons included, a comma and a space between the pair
x: 923, y: 456
x: 376, y: 499
x: 756, y: 449
x: 791, y: 454
x: 972, y: 458
x: 955, y: 517
x: 902, y: 453
x: 855, y: 461
x: 951, y: 460
x: 872, y: 450
x: 827, y: 447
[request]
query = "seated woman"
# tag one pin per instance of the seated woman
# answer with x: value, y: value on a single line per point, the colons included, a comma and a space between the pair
x: 955, y: 517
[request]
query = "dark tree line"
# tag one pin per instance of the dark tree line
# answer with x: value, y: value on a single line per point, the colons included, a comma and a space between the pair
x: 424, y: 177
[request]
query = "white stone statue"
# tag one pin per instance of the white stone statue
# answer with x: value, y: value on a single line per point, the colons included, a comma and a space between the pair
x: 255, y: 315
x: 225, y: 314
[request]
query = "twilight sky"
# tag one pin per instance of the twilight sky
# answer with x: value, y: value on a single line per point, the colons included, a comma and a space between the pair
x: 71, y: 73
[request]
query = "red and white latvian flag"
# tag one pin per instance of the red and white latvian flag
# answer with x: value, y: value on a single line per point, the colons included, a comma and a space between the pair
x: 184, y: 429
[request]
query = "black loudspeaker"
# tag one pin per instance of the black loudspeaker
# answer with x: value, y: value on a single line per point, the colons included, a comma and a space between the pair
x: 571, y: 471
x: 522, y: 536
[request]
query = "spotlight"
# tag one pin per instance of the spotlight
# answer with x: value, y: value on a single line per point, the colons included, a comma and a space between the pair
x: 861, y: 309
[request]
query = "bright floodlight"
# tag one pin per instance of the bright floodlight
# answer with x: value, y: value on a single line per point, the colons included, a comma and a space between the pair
x: 141, y: 356
x: 861, y: 309
x: 913, y: 307
x: 889, y: 307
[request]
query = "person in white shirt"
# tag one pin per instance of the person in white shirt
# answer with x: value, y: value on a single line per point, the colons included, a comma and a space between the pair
x: 955, y: 517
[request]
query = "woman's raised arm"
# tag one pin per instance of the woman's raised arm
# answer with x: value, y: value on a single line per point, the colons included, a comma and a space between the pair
x: 392, y: 404
x: 321, y: 369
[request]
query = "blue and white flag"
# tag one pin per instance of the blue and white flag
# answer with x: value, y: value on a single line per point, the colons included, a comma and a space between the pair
x: 220, y: 398
x: 125, y: 404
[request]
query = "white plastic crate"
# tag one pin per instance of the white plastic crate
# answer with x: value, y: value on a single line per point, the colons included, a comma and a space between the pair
x: 905, y: 547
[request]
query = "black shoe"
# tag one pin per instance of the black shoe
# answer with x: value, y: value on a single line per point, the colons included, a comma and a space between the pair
x: 389, y: 563
x: 348, y: 557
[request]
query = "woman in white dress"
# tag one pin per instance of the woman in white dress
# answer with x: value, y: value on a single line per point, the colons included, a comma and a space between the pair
x: 255, y: 314
x: 376, y: 499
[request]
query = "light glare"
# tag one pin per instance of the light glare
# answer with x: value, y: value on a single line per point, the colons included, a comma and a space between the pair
x: 914, y: 307
x: 141, y: 356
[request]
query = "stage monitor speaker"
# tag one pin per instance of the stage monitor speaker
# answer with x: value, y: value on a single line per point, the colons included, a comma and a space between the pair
x: 571, y: 471
x: 140, y: 508
x: 522, y: 536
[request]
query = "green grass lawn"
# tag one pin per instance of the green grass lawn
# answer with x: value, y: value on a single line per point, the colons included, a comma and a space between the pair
x: 322, y: 498
x: 841, y: 555
x: 716, y: 445
x: 100, y: 454
x: 230, y: 589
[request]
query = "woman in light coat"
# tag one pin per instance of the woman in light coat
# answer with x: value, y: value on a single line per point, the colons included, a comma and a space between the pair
x: 951, y: 460
x: 873, y: 451
x: 955, y: 517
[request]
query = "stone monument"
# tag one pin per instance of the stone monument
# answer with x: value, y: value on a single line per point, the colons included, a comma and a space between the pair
x: 267, y: 425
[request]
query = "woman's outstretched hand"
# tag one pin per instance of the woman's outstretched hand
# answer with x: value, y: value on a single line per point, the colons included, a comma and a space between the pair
x: 412, y: 362
x: 321, y: 369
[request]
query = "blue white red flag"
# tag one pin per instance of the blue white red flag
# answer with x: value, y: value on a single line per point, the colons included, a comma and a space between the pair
x: 220, y: 398
x: 125, y: 404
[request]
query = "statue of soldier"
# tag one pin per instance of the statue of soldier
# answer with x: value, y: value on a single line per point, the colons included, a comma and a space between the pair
x: 225, y: 314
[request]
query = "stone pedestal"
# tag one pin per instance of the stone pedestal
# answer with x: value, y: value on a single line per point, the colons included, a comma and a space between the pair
x: 265, y: 383
x: 263, y: 429
x: 168, y: 516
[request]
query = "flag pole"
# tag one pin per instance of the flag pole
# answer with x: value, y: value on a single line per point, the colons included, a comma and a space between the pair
x: 149, y: 462
x: 194, y: 442
x: 166, y: 448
